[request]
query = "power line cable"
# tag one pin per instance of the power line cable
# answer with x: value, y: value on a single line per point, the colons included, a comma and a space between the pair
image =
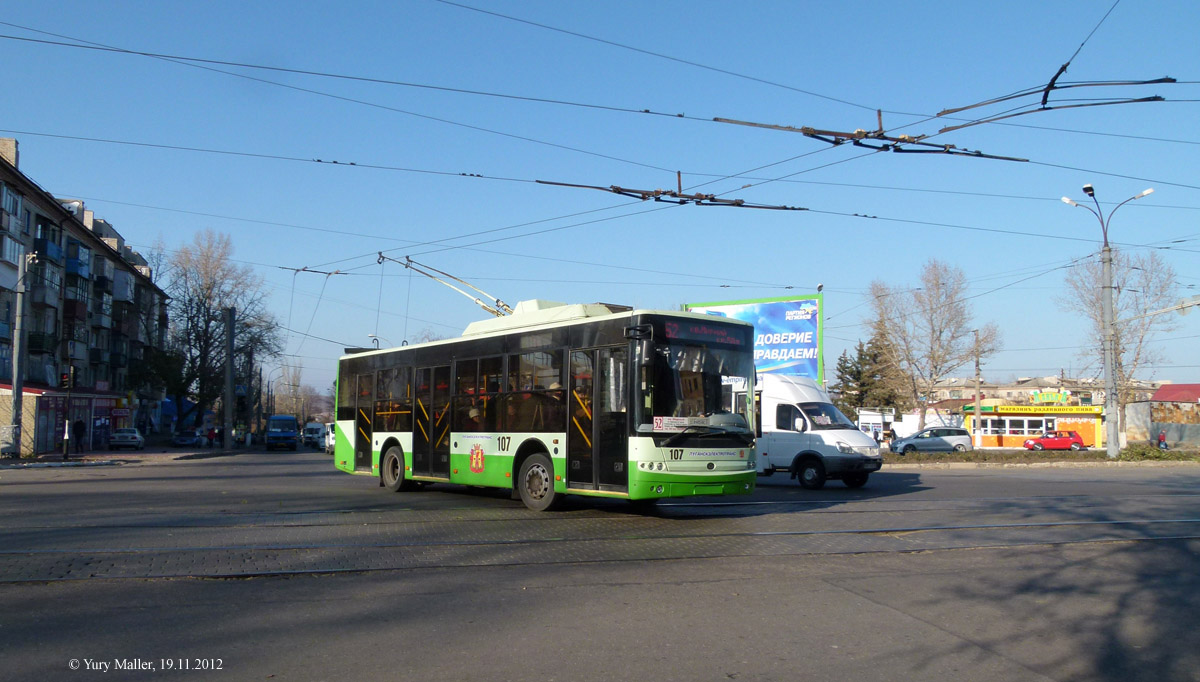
x: 337, y: 76
x: 378, y: 106
x: 657, y: 55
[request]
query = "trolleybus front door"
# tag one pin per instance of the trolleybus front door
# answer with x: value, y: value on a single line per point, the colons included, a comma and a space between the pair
x: 364, y: 405
x: 597, y: 425
x: 431, y: 422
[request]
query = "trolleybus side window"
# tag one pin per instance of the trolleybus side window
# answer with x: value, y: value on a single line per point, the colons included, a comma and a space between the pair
x: 537, y: 401
x: 393, y: 405
x: 491, y: 381
x: 467, y: 415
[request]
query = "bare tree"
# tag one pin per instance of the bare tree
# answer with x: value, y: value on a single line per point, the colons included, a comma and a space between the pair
x: 930, y: 330
x: 203, y: 281
x: 1142, y: 283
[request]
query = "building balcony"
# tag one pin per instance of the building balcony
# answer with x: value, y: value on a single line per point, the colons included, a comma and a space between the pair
x: 42, y: 296
x: 48, y: 250
x: 123, y: 286
x: 118, y: 360
x: 96, y: 356
x: 5, y: 331
x: 126, y: 326
x: 42, y: 342
x: 75, y: 311
x: 80, y: 267
x: 102, y: 284
x: 103, y: 320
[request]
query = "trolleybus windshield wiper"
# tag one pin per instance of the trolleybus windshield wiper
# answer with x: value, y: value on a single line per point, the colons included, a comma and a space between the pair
x: 708, y: 431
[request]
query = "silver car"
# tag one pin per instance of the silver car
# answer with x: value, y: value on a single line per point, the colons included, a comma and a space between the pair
x: 126, y: 438
x: 934, y: 439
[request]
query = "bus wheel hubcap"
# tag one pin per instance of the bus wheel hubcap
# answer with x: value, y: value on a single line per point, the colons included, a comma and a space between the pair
x: 537, y: 481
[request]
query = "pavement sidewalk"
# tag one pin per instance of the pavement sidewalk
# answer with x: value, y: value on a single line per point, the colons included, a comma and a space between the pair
x: 150, y: 455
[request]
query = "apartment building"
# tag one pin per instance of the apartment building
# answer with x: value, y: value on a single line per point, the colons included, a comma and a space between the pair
x: 91, y: 312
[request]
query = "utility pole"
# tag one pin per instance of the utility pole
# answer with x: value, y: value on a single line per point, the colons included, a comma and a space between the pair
x: 975, y: 421
x: 229, y: 396
x: 1112, y: 415
x: 69, y: 375
x: 19, y: 352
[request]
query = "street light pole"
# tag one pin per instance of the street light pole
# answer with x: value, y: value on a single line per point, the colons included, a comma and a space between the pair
x: 1111, y: 404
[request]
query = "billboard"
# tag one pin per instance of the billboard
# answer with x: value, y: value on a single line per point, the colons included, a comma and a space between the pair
x: 788, y: 333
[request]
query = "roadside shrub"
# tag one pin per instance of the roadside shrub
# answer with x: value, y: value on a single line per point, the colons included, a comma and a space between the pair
x: 1142, y: 452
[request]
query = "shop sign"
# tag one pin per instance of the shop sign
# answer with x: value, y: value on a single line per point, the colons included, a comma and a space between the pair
x: 1051, y: 397
x: 1059, y: 409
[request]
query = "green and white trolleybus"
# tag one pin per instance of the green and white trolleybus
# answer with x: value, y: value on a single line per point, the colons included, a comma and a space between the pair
x: 554, y: 400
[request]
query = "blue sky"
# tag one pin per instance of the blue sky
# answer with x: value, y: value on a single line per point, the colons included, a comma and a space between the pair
x: 448, y: 175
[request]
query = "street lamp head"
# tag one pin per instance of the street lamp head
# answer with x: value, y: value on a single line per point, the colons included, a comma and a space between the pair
x: 1090, y: 191
x: 1149, y: 190
x: 1068, y: 200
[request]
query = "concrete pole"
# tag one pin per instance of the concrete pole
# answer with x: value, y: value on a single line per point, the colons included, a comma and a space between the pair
x: 1112, y: 417
x: 976, y: 422
x: 1112, y: 434
x: 19, y: 353
x: 229, y: 396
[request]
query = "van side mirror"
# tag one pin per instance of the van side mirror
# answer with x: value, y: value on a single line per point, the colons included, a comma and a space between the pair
x: 800, y: 425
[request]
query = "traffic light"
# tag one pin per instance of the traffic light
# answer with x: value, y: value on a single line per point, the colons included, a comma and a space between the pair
x: 67, y: 379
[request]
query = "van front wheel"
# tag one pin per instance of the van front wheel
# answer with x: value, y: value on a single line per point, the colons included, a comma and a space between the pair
x: 811, y: 474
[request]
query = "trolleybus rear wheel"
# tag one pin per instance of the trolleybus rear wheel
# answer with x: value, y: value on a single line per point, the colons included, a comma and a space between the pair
x: 535, y: 482
x: 391, y: 468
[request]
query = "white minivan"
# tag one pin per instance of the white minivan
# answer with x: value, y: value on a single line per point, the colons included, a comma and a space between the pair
x: 801, y: 432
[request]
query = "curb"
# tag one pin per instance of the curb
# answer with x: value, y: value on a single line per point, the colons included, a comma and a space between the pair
x: 1038, y: 465
x: 56, y: 465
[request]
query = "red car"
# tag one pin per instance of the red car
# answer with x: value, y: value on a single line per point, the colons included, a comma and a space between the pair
x: 1056, y: 440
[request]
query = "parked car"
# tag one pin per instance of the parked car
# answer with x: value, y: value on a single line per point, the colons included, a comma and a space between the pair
x: 126, y: 438
x: 1056, y: 440
x: 934, y: 439
x: 185, y: 439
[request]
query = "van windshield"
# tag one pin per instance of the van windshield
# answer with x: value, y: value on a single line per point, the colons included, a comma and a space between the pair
x: 826, y: 417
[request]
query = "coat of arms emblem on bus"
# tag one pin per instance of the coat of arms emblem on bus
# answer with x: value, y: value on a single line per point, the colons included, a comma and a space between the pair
x: 476, y: 463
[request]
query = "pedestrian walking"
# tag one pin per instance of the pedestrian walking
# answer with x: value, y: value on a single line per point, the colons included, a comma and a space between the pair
x: 78, y: 432
x: 212, y: 435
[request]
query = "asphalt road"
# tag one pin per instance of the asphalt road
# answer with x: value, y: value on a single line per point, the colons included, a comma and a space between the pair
x: 274, y: 566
